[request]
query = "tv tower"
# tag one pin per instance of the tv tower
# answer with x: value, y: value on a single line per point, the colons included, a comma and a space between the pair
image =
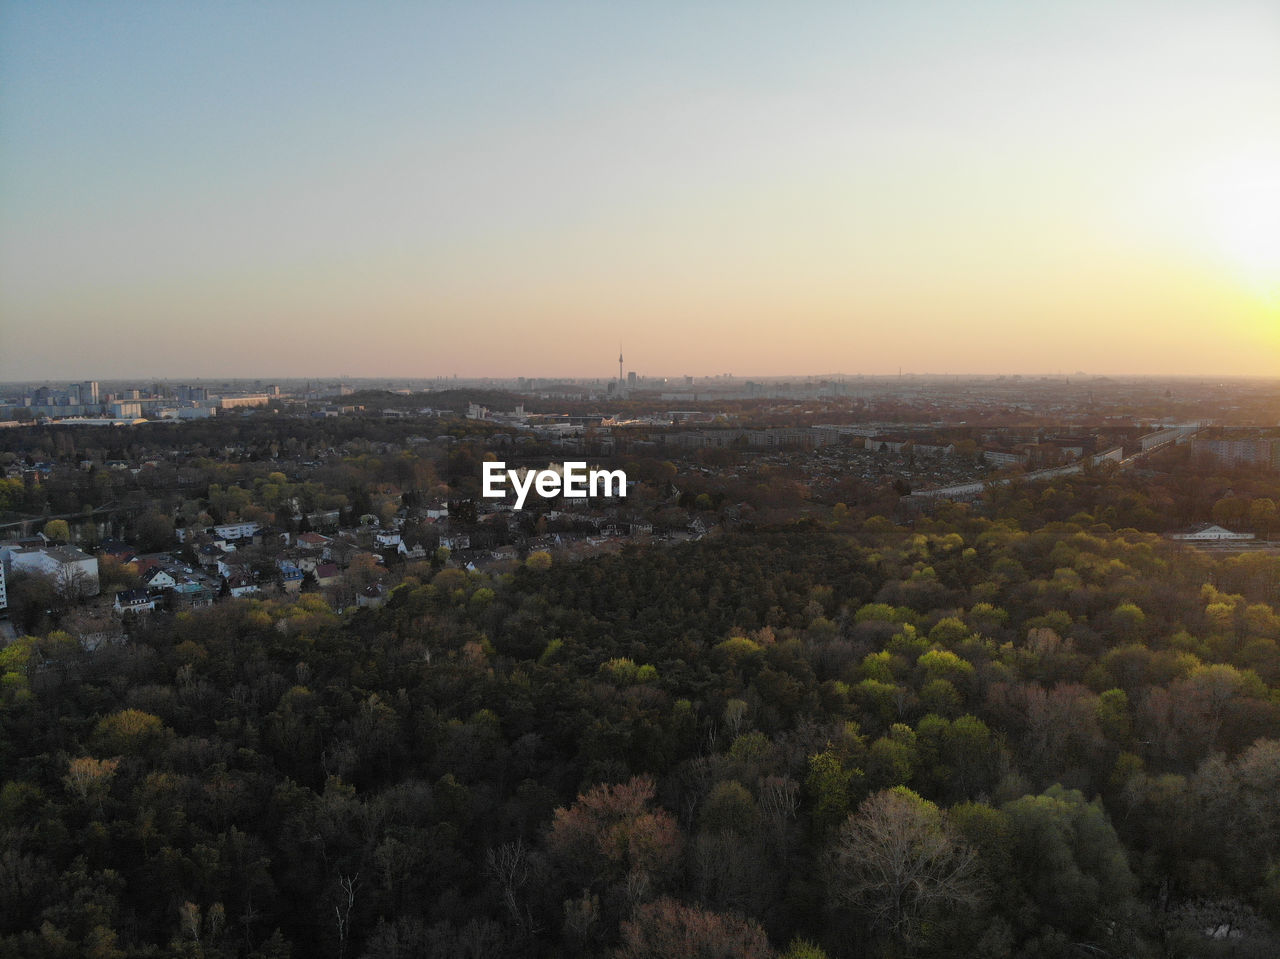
x: 620, y: 381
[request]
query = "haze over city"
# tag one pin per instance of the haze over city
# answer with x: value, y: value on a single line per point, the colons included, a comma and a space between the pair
x: 323, y: 189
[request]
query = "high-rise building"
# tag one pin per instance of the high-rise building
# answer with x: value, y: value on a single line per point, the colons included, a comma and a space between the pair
x: 89, y: 393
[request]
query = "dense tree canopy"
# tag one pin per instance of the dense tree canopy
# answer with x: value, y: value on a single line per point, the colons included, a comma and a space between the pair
x: 979, y: 734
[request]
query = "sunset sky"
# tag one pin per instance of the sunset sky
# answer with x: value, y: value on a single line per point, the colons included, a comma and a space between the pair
x: 411, y: 189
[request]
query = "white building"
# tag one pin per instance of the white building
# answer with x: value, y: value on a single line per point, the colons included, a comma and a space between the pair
x: 241, y: 584
x: 1165, y: 436
x: 411, y: 550
x: 1208, y: 533
x: 1002, y: 457
x: 157, y: 578
x: 134, y: 601
x: 75, y: 573
x: 236, y: 530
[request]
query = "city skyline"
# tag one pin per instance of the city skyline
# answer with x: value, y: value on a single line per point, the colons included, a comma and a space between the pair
x: 387, y: 191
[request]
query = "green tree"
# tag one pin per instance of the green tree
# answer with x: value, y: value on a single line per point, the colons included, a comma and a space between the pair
x: 130, y: 732
x: 57, y: 530
x: 1071, y: 863
x: 1262, y: 515
x: 828, y: 787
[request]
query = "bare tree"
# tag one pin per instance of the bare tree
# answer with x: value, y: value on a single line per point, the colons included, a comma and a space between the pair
x: 897, y: 863
x: 342, y: 910
x: 511, y: 867
x: 779, y: 800
x: 72, y: 582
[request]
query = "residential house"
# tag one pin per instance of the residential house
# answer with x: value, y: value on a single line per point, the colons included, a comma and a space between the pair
x: 209, y: 555
x: 134, y: 601
x: 291, y: 576
x: 157, y: 578
x: 241, y: 584
x: 313, y: 542
x: 411, y: 550
x: 327, y: 574
x: 117, y: 550
x: 372, y: 596
x: 307, y: 564
x: 191, y: 595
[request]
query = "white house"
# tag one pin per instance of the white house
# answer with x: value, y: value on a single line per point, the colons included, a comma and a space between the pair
x: 411, y: 550
x: 241, y: 584
x: 308, y: 564
x: 157, y: 578
x: 134, y: 601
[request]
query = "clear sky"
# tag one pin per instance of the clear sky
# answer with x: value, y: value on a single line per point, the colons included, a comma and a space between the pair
x: 414, y: 189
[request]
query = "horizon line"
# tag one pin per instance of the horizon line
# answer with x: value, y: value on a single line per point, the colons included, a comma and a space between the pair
x: 270, y: 379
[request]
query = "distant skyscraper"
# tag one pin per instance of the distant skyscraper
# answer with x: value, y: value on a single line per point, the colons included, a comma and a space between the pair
x: 89, y: 393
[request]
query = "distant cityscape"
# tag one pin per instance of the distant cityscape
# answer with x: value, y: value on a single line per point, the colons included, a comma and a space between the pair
x: 124, y: 401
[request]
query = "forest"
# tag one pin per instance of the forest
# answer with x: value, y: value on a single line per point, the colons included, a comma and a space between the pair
x: 1025, y: 727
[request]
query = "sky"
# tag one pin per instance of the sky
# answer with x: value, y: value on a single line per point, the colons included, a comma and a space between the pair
x: 406, y: 189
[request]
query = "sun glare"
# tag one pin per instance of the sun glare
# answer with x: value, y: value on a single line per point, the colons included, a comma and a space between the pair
x: 1241, y: 218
